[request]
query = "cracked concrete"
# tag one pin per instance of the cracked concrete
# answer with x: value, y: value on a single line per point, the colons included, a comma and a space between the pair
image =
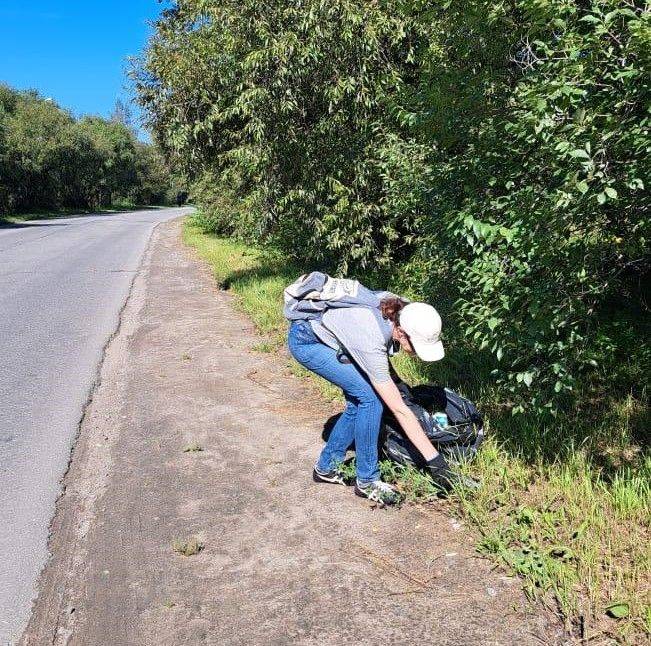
x: 286, y: 561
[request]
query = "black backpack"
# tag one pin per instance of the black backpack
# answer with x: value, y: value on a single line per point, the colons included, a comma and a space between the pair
x: 459, y: 441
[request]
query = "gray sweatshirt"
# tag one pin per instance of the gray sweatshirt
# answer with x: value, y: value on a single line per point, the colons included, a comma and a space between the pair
x: 344, y: 315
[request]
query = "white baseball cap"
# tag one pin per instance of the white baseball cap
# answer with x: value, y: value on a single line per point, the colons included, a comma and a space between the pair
x: 423, y: 325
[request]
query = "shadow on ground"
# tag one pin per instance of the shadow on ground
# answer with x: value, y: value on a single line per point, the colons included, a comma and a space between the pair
x: 38, y: 219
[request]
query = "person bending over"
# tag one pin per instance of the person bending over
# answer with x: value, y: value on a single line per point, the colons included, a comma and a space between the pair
x: 346, y: 333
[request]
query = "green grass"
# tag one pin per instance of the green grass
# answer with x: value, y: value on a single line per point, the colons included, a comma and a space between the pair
x: 561, y: 506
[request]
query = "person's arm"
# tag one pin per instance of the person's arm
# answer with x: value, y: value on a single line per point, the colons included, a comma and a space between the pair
x: 369, y: 353
x: 390, y: 395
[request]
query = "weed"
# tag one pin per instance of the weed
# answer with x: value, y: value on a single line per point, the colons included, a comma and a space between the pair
x: 186, y: 357
x: 193, y: 447
x: 347, y: 470
x: 413, y: 484
x: 265, y: 346
x: 187, y: 546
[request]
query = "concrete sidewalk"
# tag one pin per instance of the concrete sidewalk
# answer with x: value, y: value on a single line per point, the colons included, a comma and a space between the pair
x: 286, y: 561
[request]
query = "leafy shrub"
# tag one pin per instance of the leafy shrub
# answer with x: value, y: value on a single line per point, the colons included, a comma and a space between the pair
x: 550, y: 233
x: 490, y: 157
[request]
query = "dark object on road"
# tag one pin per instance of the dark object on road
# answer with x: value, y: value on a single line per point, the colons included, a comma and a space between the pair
x: 458, y: 441
x: 181, y: 198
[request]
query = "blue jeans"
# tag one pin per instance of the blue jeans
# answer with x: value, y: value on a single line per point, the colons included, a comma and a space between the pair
x: 360, y: 421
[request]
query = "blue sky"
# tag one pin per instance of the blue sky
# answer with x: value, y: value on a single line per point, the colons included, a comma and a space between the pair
x: 73, y: 51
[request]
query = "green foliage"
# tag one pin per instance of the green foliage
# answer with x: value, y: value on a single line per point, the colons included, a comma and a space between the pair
x: 49, y: 160
x: 116, y: 148
x: 545, y: 217
x: 489, y: 157
x: 280, y: 112
x: 153, y: 183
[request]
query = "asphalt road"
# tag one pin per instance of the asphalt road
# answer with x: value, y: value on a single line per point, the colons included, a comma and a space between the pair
x: 63, y: 283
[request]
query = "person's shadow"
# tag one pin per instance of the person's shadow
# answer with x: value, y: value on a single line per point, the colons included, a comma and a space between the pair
x: 329, y: 425
x: 325, y: 434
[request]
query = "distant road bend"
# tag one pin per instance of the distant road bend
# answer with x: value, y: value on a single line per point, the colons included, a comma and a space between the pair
x: 63, y: 283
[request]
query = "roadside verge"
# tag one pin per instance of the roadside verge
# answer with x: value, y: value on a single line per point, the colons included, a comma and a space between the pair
x: 196, y: 440
x: 577, y: 540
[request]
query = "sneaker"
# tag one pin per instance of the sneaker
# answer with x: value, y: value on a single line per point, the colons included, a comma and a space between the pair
x: 378, y: 491
x: 331, y: 477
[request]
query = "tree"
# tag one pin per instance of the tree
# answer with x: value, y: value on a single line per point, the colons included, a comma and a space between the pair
x: 154, y: 183
x: 49, y: 160
x: 490, y: 156
x: 117, y: 147
x: 122, y: 114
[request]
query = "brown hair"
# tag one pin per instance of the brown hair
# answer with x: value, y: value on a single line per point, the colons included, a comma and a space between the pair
x: 390, y: 308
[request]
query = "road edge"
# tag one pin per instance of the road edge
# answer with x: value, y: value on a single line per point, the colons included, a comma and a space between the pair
x: 64, y: 518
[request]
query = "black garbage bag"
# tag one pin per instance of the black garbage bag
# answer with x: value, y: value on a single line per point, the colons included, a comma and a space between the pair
x: 458, y: 442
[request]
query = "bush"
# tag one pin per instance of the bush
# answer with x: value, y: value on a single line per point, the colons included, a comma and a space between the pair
x: 489, y: 157
x: 547, y: 240
x: 49, y: 160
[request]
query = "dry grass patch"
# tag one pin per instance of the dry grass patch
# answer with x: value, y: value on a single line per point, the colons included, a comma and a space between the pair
x: 193, y: 447
x: 187, y: 546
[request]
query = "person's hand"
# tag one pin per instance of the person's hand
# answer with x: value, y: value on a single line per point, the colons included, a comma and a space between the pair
x: 445, y: 478
x: 439, y: 470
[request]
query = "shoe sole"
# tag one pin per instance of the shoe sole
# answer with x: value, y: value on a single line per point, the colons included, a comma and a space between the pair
x: 322, y: 479
x: 360, y: 492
